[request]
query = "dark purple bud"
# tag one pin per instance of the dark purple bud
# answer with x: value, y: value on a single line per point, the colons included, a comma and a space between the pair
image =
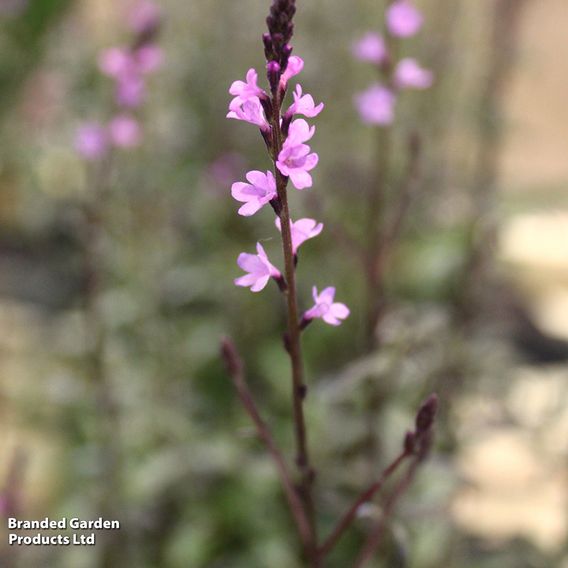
x: 273, y: 73
x: 286, y: 120
x: 409, y: 443
x: 427, y: 414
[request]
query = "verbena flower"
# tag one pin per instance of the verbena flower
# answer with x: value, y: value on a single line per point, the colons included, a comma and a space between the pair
x: 403, y: 19
x: 295, y: 160
x: 125, y: 131
x: 371, y: 47
x: 325, y: 308
x: 144, y: 18
x: 256, y: 194
x: 409, y: 74
x: 250, y: 111
x: 259, y: 269
x: 376, y: 105
x: 304, y: 104
x: 91, y: 141
x: 295, y: 67
x: 244, y: 91
x: 302, y: 230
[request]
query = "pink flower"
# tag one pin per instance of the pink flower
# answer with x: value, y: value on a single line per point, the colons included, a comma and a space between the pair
x: 371, y: 47
x: 304, y: 104
x: 130, y: 90
x: 295, y: 160
x: 325, y: 308
x: 118, y: 62
x: 259, y: 269
x: 245, y: 91
x: 115, y: 61
x: 149, y: 58
x: 294, y: 67
x: 125, y: 132
x: 145, y: 17
x: 250, y: 111
x: 256, y: 194
x: 403, y: 19
x: 410, y: 75
x: 376, y: 105
x: 91, y: 141
x: 302, y: 230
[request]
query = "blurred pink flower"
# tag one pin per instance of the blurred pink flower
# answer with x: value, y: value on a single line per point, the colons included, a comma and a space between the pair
x: 130, y: 91
x: 244, y: 91
x: 256, y: 194
x: 376, y: 105
x: 409, y: 74
x: 325, y: 308
x: 144, y: 17
x: 250, y: 111
x: 125, y: 131
x: 403, y: 18
x: 91, y: 141
x: 149, y: 58
x: 371, y: 47
x: 302, y: 230
x: 259, y: 269
x: 223, y: 170
x: 304, y: 104
x: 295, y: 160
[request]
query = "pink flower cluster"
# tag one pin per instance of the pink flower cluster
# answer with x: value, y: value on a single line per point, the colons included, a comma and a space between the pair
x: 376, y: 105
x: 294, y: 162
x: 129, y: 67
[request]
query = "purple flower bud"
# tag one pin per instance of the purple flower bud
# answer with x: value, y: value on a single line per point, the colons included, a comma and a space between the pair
x: 273, y: 74
x: 426, y: 414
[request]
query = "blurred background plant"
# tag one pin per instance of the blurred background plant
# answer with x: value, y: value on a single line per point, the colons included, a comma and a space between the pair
x: 477, y: 288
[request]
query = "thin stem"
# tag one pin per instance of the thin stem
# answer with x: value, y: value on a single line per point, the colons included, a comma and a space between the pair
x: 105, y: 404
x: 236, y: 372
x: 293, y: 343
x: 374, y: 540
x: 348, y: 518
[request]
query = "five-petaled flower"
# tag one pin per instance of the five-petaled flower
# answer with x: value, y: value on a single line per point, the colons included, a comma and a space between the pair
x: 294, y: 67
x: 250, y: 111
x: 256, y: 194
x: 295, y: 159
x: 259, y: 269
x: 325, y: 308
x: 244, y: 91
x: 302, y: 230
x: 304, y: 104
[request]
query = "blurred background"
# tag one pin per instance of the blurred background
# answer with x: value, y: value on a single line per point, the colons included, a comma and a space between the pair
x: 114, y: 294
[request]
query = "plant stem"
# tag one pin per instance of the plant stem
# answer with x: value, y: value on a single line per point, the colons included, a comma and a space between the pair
x: 236, y: 372
x: 366, y: 496
x: 375, y: 538
x: 293, y: 343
